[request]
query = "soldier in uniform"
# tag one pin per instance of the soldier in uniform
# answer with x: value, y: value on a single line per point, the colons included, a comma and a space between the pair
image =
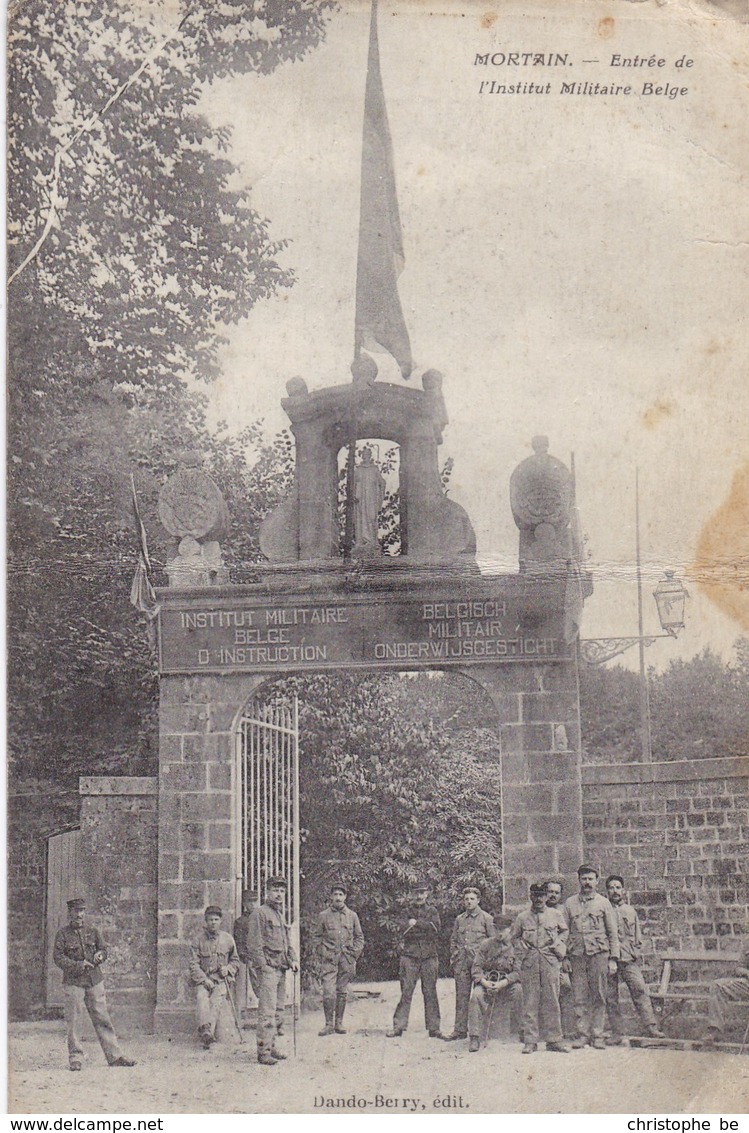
x: 471, y: 928
x: 246, y: 978
x: 628, y: 968
x: 541, y: 934
x: 494, y: 972
x: 554, y: 890
x: 270, y: 956
x: 80, y: 951
x: 338, y: 942
x: 420, y: 926
x: 213, y: 964
x: 593, y: 948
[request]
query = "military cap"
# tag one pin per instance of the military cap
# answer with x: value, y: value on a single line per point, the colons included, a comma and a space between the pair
x: 76, y: 903
x: 338, y: 886
x: 276, y: 883
x: 537, y: 889
x: 471, y: 889
x: 503, y: 921
x: 587, y: 869
x: 249, y: 895
x: 213, y: 911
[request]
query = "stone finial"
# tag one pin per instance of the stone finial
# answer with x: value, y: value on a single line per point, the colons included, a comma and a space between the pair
x: 541, y: 501
x: 297, y: 387
x: 364, y: 370
x: 193, y: 511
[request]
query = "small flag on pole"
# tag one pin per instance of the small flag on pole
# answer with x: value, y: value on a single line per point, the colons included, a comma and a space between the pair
x: 142, y: 593
x: 380, y: 325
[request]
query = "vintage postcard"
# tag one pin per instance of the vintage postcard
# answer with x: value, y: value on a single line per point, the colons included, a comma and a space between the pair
x: 378, y: 486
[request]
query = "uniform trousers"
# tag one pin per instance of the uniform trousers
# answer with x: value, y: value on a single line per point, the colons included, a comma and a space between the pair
x: 94, y: 1000
x: 732, y: 989
x: 463, y: 985
x: 412, y: 969
x: 629, y: 973
x: 209, y: 1004
x: 566, y: 1006
x: 539, y: 977
x: 335, y: 975
x: 589, y: 984
x: 481, y: 1000
x: 271, y: 994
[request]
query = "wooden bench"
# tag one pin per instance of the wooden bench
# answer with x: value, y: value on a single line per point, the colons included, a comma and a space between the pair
x: 669, y: 999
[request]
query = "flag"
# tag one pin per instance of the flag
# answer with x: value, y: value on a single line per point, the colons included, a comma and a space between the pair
x: 142, y: 593
x: 380, y: 325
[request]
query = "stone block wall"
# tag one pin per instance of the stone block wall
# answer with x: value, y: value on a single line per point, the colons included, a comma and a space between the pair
x: 119, y: 844
x: 679, y: 834
x: 32, y: 816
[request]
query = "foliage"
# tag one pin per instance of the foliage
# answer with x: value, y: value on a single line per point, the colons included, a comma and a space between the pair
x: 149, y: 250
x: 698, y: 708
x: 401, y: 787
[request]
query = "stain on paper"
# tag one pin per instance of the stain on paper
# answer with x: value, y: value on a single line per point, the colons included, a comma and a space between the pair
x: 488, y: 19
x: 722, y: 563
x: 606, y: 27
x: 657, y: 412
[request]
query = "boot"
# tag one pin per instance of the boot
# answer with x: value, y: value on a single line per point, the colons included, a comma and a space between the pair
x: 205, y: 1035
x: 328, y: 1006
x: 340, y: 1007
x: 473, y: 1044
x: 265, y: 1058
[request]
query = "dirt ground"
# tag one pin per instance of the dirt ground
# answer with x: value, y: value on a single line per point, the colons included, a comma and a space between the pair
x: 174, y: 1075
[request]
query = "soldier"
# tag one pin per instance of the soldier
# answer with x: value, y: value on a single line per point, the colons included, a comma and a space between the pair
x: 80, y: 952
x: 541, y: 934
x: 271, y: 956
x: 419, y: 960
x: 628, y: 968
x: 471, y: 928
x: 593, y: 948
x: 494, y: 972
x: 338, y: 943
x: 554, y: 891
x: 730, y: 989
x: 246, y: 977
x: 213, y: 964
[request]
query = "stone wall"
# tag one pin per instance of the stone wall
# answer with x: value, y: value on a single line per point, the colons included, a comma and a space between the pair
x: 679, y: 834
x: 32, y: 817
x: 119, y: 845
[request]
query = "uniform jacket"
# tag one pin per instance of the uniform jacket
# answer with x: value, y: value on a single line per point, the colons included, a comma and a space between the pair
x: 72, y: 947
x: 469, y: 930
x: 592, y: 925
x: 545, y: 933
x: 268, y: 944
x: 630, y: 936
x: 420, y: 941
x: 494, y: 956
x: 241, y: 925
x: 338, y: 933
x: 209, y: 953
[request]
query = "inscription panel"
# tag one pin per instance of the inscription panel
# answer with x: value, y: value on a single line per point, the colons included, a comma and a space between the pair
x: 428, y: 630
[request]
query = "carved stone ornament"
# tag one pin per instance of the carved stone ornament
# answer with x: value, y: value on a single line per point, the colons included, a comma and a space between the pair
x: 190, y: 503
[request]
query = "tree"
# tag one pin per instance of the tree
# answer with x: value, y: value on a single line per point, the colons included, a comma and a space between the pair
x: 128, y: 250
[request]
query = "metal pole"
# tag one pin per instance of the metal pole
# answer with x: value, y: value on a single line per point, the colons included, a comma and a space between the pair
x: 645, y: 737
x: 348, y: 536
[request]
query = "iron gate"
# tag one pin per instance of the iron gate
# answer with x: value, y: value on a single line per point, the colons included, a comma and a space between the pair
x: 268, y: 801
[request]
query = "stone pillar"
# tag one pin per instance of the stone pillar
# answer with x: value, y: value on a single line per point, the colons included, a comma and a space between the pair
x: 117, y: 876
x: 316, y: 487
x: 197, y: 801
x: 539, y: 717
